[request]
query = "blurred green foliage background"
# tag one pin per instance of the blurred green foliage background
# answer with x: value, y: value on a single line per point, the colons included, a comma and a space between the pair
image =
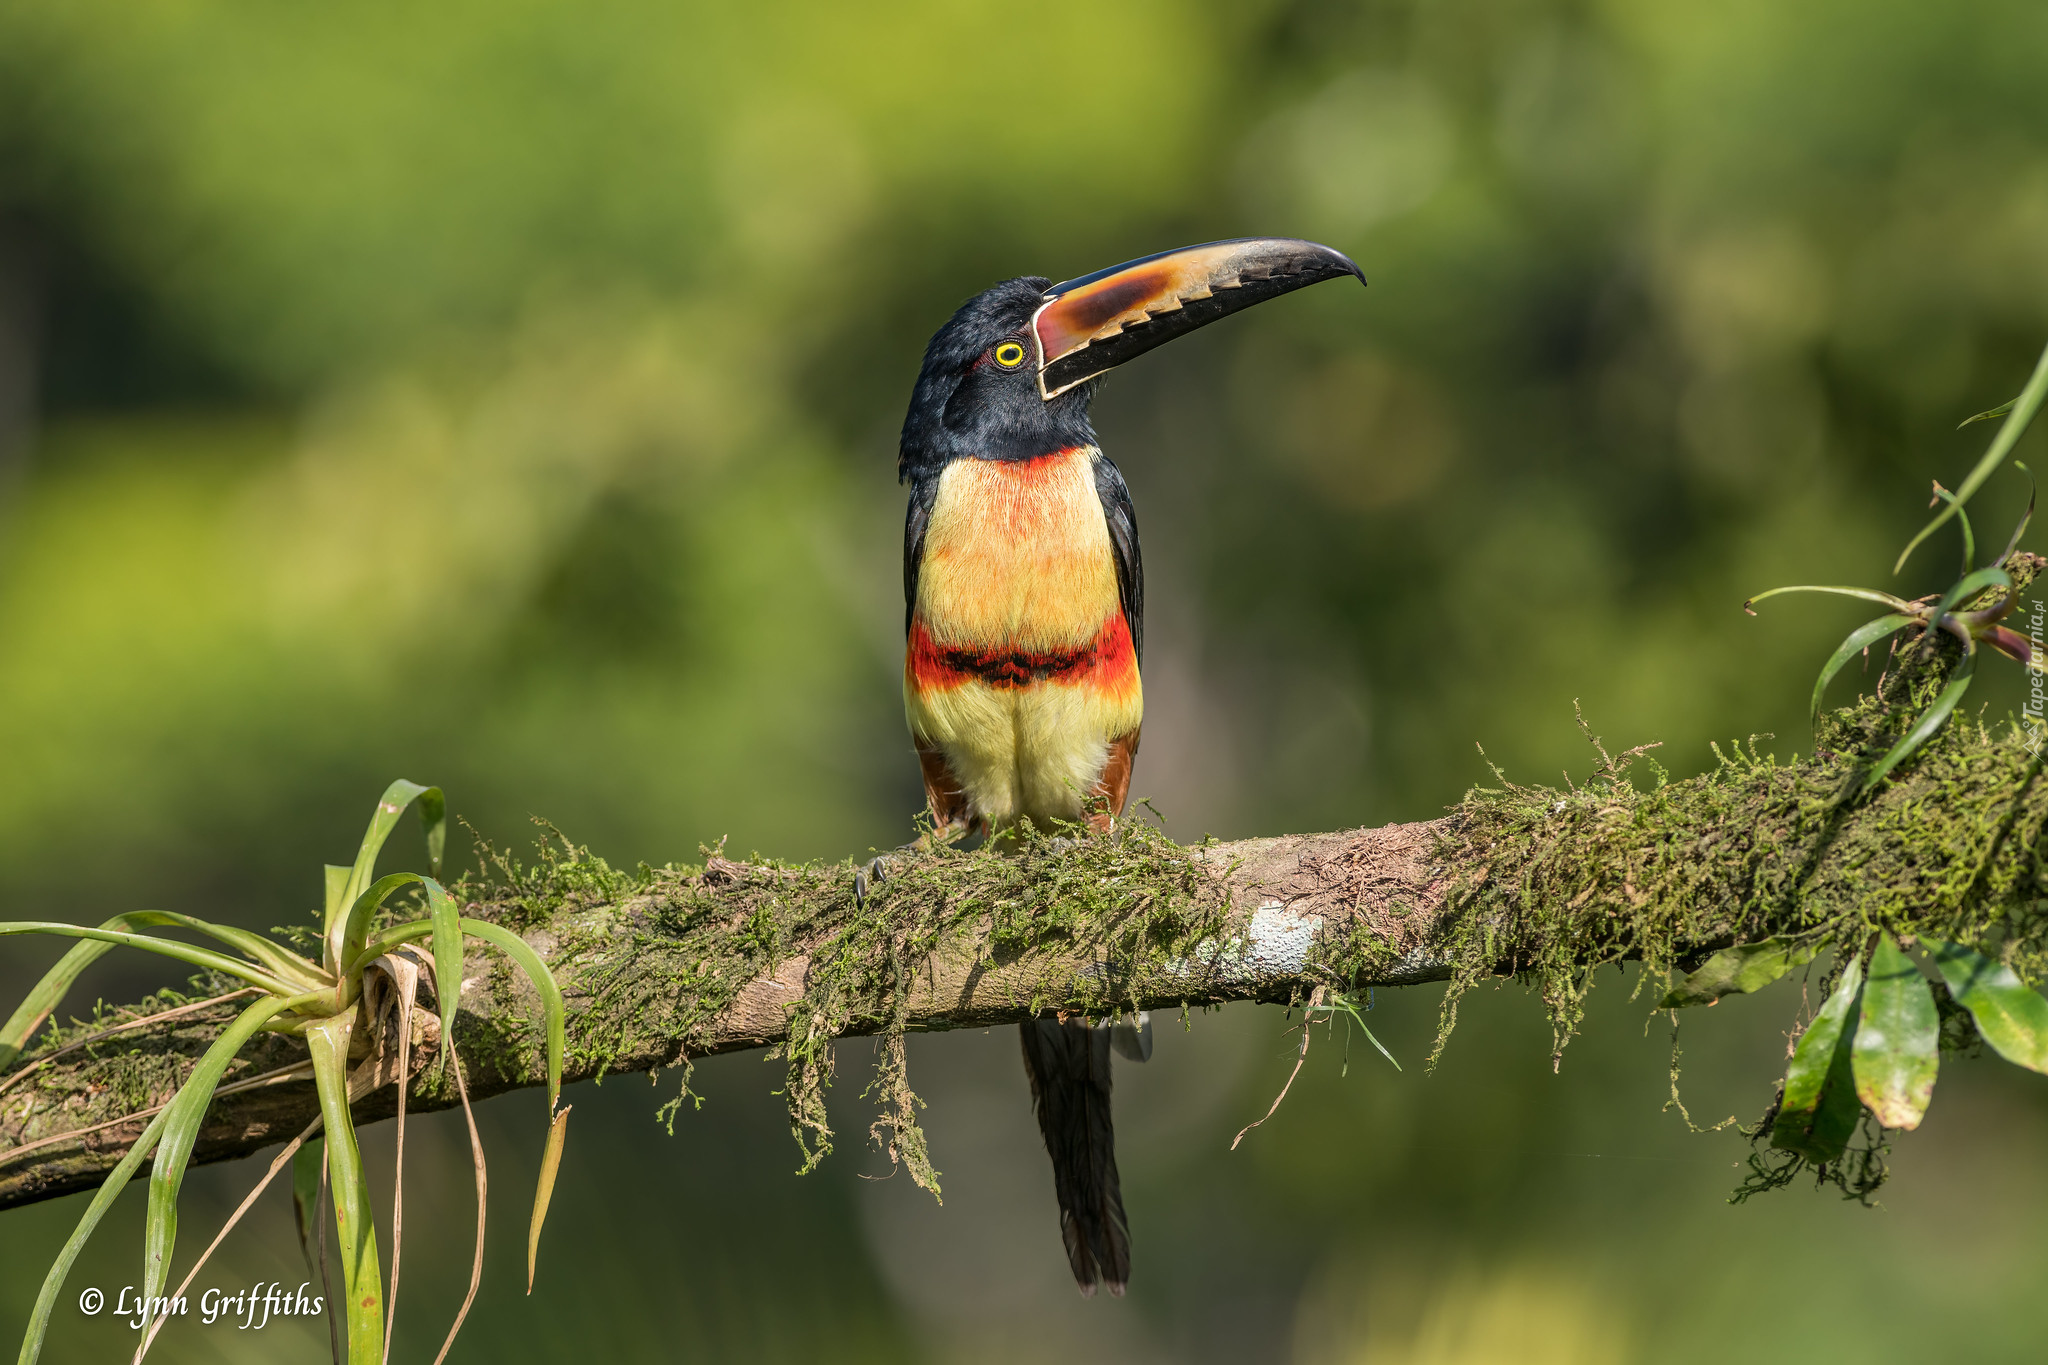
x: 504, y: 395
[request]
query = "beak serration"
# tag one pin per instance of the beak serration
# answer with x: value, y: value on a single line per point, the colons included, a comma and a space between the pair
x: 1090, y: 325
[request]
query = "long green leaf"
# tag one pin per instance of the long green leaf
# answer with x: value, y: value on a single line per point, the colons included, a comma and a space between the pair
x: 2012, y: 1018
x: 1969, y: 534
x: 306, y: 1166
x: 1937, y: 714
x: 543, y: 980
x: 434, y: 823
x: 447, y: 916
x: 362, y: 1287
x: 1349, y: 1007
x: 2025, y: 517
x: 1969, y: 585
x: 282, y: 962
x: 384, y: 940
x: 1817, y: 1116
x: 53, y: 1282
x: 183, y: 952
x: 397, y: 796
x: 49, y: 992
x: 1860, y: 639
x: 529, y: 961
x: 288, y: 1153
x: 1738, y: 970
x: 337, y: 892
x: 2017, y: 420
x: 1370, y: 1038
x: 2001, y: 410
x: 356, y: 928
x: 182, y: 1117
x: 1897, y: 1051
x: 336, y: 907
x: 1862, y: 594
x: 1930, y: 720
x: 544, y: 1191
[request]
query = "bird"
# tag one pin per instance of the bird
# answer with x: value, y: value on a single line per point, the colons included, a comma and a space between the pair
x: 1024, y: 611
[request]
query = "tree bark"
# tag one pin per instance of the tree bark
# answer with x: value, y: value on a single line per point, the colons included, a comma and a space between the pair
x: 1287, y: 891
x: 1516, y: 879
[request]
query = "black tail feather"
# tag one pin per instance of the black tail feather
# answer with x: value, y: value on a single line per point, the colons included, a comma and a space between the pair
x: 1068, y: 1064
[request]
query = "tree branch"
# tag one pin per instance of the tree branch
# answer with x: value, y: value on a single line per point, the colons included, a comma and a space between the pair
x: 667, y: 965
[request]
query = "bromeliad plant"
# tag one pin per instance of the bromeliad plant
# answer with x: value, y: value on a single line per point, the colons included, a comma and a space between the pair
x: 1973, y: 608
x: 359, y: 997
x: 1874, y: 1048
x: 1990, y: 592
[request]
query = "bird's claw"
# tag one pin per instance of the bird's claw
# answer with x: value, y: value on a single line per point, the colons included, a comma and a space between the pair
x: 874, y: 874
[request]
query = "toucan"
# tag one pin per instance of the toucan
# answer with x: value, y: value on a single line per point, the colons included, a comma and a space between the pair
x: 1024, y: 610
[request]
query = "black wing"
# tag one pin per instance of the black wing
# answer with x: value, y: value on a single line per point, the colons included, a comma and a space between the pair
x: 924, y: 491
x: 1123, y: 541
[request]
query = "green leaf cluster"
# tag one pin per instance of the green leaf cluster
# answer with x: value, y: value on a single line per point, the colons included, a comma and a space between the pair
x: 1991, y: 592
x: 1874, y: 1046
x: 361, y: 991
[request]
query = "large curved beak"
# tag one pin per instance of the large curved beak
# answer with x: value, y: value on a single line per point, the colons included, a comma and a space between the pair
x: 1091, y: 325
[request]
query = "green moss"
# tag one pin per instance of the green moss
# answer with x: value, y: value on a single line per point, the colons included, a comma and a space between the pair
x: 663, y: 953
x: 1563, y: 883
x: 131, y: 1071
x: 1553, y: 886
x: 562, y: 876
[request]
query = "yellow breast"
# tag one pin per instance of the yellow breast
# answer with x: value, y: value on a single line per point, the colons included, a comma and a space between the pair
x: 1020, y: 667
x: 1017, y: 553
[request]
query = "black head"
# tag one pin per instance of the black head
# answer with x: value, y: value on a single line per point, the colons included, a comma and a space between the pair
x: 977, y: 395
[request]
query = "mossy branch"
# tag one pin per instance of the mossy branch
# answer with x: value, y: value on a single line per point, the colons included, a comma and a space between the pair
x: 665, y: 965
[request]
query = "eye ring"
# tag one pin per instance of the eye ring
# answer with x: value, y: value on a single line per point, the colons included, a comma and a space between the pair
x: 1008, y: 354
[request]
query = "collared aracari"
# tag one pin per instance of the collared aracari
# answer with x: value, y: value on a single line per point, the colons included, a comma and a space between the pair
x: 1024, y: 601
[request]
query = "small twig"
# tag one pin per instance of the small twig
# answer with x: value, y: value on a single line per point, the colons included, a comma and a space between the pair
x: 476, y: 1155
x: 296, y: 1071
x: 1315, y: 1000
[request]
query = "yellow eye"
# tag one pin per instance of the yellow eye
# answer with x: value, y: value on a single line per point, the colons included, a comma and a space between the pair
x: 1010, y: 355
